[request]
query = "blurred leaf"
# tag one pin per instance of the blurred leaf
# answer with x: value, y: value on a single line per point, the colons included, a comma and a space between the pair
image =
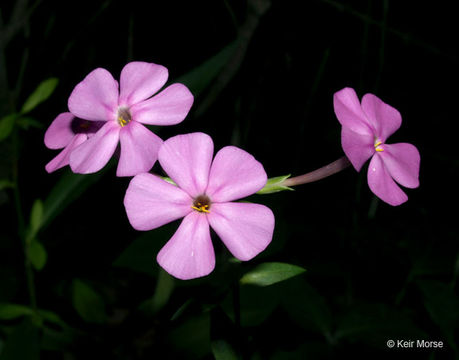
x: 163, y: 291
x: 222, y: 350
x: 88, y: 303
x: 13, y: 311
x: 374, y: 324
x: 270, y: 273
x: 256, y: 304
x: 26, y: 122
x: 6, y: 125
x: 37, y: 254
x: 443, y: 307
x: 69, y: 188
x: 140, y: 255
x: 51, y: 317
x: 190, y: 339
x: 274, y: 185
x: 22, y: 343
x: 224, y: 335
x: 36, y: 216
x: 41, y: 93
x: 306, y: 306
x: 200, y: 77
x: 5, y: 184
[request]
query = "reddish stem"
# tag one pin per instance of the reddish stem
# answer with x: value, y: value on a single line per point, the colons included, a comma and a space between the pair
x: 323, y: 172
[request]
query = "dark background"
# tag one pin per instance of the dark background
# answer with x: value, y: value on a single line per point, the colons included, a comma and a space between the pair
x: 374, y: 272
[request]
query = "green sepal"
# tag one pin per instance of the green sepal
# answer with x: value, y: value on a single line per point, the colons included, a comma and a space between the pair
x: 274, y: 185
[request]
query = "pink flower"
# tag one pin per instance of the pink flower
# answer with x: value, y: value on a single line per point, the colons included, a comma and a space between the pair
x: 366, y: 127
x: 67, y: 132
x: 204, y: 196
x: 96, y: 98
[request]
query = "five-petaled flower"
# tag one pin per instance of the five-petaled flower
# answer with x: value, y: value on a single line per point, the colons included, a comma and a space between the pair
x: 67, y: 132
x: 204, y: 197
x: 123, y: 112
x: 366, y: 127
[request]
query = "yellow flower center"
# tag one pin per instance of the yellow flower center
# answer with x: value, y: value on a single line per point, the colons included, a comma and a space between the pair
x: 124, y: 116
x: 378, y: 146
x: 201, y: 204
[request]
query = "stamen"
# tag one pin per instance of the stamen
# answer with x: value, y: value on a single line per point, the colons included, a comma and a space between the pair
x: 377, y: 144
x: 201, y: 204
x: 124, y: 116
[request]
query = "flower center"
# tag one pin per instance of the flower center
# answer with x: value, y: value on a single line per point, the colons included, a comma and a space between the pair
x: 378, y: 146
x: 202, y: 203
x: 124, y: 116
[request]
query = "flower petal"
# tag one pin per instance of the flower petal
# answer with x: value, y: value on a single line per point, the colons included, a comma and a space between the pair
x: 350, y: 113
x: 93, y: 154
x: 358, y: 148
x: 246, y: 229
x: 169, y: 107
x: 384, y: 118
x: 402, y: 161
x: 189, y: 253
x: 186, y: 159
x: 382, y: 184
x: 62, y: 159
x: 59, y: 133
x: 140, y: 80
x: 139, y: 149
x: 234, y: 174
x: 96, y: 97
x: 151, y: 202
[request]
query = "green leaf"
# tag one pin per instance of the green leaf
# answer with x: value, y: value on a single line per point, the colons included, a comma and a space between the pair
x: 274, y: 185
x: 222, y: 350
x: 141, y: 253
x: 88, y: 303
x: 23, y: 343
x: 270, y: 273
x: 26, y: 122
x: 6, y: 125
x: 36, y: 216
x: 41, y: 93
x: 306, y: 306
x: 443, y: 306
x: 200, y: 77
x: 37, y: 254
x: 5, y: 184
x: 13, y: 311
x: 69, y: 187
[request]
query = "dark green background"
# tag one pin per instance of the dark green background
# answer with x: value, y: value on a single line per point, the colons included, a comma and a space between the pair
x: 374, y: 272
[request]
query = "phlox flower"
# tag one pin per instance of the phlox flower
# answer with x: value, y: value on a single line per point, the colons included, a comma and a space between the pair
x: 67, y: 132
x: 123, y: 112
x: 204, y: 197
x: 366, y: 127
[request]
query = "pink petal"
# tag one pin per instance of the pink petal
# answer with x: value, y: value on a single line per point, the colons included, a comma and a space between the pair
x: 189, y: 253
x: 402, y: 161
x: 234, y: 174
x: 139, y: 149
x: 151, y: 202
x: 140, y: 80
x: 358, y: 148
x: 246, y: 229
x: 382, y: 184
x: 93, y: 154
x: 59, y: 133
x: 62, y: 159
x: 350, y: 113
x: 96, y: 97
x: 186, y: 159
x: 384, y: 118
x: 169, y: 107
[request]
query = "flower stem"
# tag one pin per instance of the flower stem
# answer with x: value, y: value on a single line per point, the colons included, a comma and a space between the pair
x: 330, y: 169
